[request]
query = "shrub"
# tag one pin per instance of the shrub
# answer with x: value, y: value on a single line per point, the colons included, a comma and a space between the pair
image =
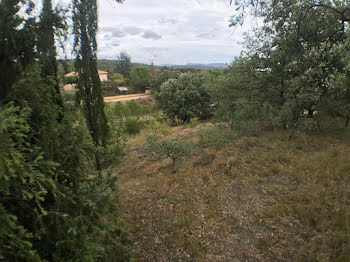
x: 193, y: 123
x: 133, y: 109
x: 158, y: 127
x: 132, y: 126
x: 175, y: 149
x: 217, y: 137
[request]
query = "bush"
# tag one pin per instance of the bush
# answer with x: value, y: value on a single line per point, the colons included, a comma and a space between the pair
x: 175, y: 149
x: 158, y: 127
x: 192, y: 123
x: 133, y: 109
x: 128, y: 116
x: 132, y: 126
x: 217, y: 137
x: 109, y: 88
x: 116, y: 139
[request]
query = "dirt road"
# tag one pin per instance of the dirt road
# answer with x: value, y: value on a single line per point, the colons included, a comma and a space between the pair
x: 114, y: 99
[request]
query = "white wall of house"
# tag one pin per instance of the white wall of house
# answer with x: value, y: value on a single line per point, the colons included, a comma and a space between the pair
x: 103, y: 77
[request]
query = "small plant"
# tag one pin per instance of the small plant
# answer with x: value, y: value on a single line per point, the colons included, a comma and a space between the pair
x: 132, y: 126
x: 133, y: 109
x: 193, y: 123
x: 159, y: 127
x: 175, y: 149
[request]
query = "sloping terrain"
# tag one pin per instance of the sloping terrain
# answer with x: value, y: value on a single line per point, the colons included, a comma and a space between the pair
x: 267, y: 198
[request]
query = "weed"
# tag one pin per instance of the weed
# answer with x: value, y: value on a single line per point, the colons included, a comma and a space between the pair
x: 205, y: 160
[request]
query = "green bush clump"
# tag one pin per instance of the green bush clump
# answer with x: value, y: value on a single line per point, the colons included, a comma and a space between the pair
x: 158, y: 125
x: 217, y: 137
x: 132, y: 126
x: 175, y: 149
x: 129, y: 116
x: 192, y: 123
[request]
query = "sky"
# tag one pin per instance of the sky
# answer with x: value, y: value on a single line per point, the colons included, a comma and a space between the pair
x: 169, y: 31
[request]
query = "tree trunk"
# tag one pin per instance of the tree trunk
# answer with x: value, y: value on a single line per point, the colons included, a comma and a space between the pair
x: 310, y: 113
x: 347, y: 121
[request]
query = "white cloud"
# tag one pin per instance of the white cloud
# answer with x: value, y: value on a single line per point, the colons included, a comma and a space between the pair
x: 169, y: 32
x: 151, y: 35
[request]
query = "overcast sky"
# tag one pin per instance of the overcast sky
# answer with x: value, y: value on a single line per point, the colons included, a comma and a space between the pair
x: 169, y: 31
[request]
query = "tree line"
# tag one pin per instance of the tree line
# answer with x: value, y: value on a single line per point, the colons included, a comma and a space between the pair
x: 55, y: 199
x: 293, y: 73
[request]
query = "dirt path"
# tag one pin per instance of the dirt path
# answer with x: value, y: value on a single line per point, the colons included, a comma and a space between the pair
x: 123, y: 98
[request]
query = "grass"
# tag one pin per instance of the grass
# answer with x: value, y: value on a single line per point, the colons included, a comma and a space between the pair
x: 265, y: 198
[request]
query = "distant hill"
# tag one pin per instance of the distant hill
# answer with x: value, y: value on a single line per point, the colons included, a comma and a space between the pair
x: 200, y: 66
x: 109, y: 65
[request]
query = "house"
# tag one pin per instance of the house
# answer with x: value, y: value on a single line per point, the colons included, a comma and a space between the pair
x: 102, y: 74
x: 69, y: 87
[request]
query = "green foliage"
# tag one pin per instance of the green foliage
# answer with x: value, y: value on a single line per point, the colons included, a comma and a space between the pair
x: 17, y: 42
x: 109, y: 88
x: 53, y: 206
x: 161, y: 77
x: 140, y: 78
x: 117, y: 78
x: 23, y: 183
x: 70, y: 80
x: 132, y: 126
x: 96, y: 234
x: 217, y: 137
x: 175, y: 149
x: 288, y: 77
x: 116, y: 139
x: 158, y: 127
x: 192, y: 123
x: 123, y: 64
x: 133, y: 108
x: 128, y: 116
x: 184, y: 98
x: 89, y: 93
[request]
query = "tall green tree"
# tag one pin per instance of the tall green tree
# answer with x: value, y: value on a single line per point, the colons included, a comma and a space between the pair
x: 89, y: 93
x: 16, y: 45
x: 140, y: 78
x: 295, y: 54
x: 123, y: 64
x: 53, y: 207
x: 49, y: 22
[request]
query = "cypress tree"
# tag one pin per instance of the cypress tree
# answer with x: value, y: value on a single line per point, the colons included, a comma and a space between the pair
x: 89, y: 93
x: 16, y: 45
x: 49, y: 20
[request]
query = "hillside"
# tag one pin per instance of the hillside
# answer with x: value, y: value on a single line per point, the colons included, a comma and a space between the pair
x: 266, y: 198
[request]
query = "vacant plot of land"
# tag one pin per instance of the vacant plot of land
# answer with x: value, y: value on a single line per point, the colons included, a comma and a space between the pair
x: 267, y: 198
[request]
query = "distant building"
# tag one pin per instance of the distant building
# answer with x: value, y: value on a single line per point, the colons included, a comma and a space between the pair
x: 69, y: 87
x: 102, y: 74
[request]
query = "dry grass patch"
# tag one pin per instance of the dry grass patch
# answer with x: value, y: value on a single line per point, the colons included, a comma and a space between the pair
x: 264, y: 198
